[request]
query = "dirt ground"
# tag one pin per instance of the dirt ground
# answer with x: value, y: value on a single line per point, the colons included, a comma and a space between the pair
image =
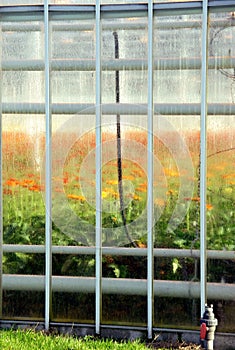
x: 176, y: 345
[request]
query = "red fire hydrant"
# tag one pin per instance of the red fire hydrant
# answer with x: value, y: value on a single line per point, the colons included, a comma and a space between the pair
x: 208, y: 326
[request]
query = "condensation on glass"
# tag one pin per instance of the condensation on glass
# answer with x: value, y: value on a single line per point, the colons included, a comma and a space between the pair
x: 22, y: 151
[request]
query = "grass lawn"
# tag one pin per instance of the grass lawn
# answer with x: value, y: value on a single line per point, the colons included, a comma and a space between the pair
x: 32, y: 340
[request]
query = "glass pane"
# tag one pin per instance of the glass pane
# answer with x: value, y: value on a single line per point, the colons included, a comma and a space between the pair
x: 22, y: 153
x: 124, y: 158
x: 71, y: 307
x: 73, y: 134
x: 73, y: 139
x: 23, y: 305
x: 124, y: 309
x: 177, y: 312
x: 177, y: 42
x: 221, y: 157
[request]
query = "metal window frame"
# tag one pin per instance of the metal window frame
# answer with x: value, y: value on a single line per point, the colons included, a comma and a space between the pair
x: 99, y: 285
x: 117, y: 10
x: 150, y: 214
x: 98, y: 131
x: 48, y: 172
x: 203, y: 157
x: 1, y: 180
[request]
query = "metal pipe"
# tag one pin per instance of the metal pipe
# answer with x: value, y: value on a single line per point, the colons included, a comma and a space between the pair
x: 174, y: 289
x: 111, y: 26
x: 171, y: 109
x: 75, y: 12
x: 119, y: 251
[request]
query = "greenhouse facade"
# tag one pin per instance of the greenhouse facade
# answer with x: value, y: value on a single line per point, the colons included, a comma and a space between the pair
x: 117, y: 163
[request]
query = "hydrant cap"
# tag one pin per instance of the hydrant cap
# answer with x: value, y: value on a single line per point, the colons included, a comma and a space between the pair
x: 209, y: 317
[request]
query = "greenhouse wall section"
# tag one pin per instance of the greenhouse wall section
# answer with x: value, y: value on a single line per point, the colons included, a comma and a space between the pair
x: 117, y: 163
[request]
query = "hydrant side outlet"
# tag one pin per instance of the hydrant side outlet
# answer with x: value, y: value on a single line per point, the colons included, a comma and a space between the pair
x: 203, y: 331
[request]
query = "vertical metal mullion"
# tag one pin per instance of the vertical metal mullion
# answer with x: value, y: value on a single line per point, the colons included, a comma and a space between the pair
x: 203, y: 155
x: 98, y: 287
x: 48, y: 248
x: 150, y: 172
x: 1, y: 177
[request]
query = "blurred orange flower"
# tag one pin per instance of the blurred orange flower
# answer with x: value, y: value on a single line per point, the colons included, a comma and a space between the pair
x: 12, y: 182
x: 76, y: 197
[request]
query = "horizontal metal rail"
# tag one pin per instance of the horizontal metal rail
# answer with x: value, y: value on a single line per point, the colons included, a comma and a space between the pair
x: 119, y: 9
x: 113, y: 11
x: 121, y: 64
x: 121, y: 108
x: 174, y: 289
x: 117, y: 251
x: 181, y: 63
x: 108, y: 25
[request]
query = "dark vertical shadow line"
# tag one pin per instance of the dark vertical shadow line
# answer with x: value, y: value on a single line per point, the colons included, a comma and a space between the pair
x: 119, y: 148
